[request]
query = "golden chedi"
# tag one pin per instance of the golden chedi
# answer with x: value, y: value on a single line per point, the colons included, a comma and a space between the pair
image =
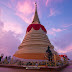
x: 35, y: 43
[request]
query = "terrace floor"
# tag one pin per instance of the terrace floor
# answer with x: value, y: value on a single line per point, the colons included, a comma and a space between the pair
x: 67, y: 69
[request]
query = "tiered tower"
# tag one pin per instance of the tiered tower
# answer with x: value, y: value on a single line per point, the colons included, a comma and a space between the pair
x: 36, y: 41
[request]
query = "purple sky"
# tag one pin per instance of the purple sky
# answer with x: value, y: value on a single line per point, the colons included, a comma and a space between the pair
x: 55, y: 15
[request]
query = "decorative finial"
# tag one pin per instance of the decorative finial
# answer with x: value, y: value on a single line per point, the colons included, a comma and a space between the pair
x: 36, y: 19
x: 35, y: 4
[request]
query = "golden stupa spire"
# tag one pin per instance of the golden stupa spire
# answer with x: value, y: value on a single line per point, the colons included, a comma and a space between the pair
x: 36, y: 18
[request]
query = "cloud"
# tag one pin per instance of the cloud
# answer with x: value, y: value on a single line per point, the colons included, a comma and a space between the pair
x: 24, y: 7
x: 26, y: 19
x: 50, y: 2
x: 47, y: 1
x: 12, y: 0
x: 0, y: 11
x: 6, y: 4
x: 1, y: 29
x: 16, y: 28
x: 53, y: 12
x: 69, y: 54
x: 66, y: 49
x: 56, y: 30
x: 8, y: 42
x: 9, y: 5
x: 63, y: 43
x: 1, y: 25
x: 25, y: 10
x: 53, y: 31
x: 66, y: 25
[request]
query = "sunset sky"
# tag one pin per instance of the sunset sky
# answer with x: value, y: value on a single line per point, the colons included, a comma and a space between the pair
x: 55, y: 15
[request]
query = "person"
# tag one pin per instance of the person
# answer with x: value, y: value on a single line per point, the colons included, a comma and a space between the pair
x: 1, y: 58
x: 5, y: 60
x: 9, y: 59
x: 48, y: 51
x: 36, y: 64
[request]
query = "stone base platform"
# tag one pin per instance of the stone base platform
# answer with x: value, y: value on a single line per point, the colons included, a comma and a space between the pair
x: 40, y: 56
x: 37, y: 56
x: 33, y: 67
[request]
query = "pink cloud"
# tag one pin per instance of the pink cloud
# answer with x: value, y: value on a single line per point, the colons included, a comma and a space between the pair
x: 56, y: 30
x: 16, y: 28
x: 12, y: 0
x: 6, y: 4
x: 49, y: 2
x: 9, y: 5
x: 1, y: 10
x: 25, y: 11
x: 25, y: 7
x: 69, y: 48
x: 1, y: 25
x: 63, y: 40
x: 66, y: 49
x: 65, y: 25
x: 63, y: 43
x: 27, y: 19
x: 8, y: 42
x: 53, y: 12
x: 53, y: 31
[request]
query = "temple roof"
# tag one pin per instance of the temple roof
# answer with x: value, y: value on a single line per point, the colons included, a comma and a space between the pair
x: 36, y: 18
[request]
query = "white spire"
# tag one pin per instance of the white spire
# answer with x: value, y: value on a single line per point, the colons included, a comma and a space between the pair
x: 36, y: 18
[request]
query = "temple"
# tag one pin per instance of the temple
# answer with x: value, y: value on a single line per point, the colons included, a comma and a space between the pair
x: 35, y: 43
